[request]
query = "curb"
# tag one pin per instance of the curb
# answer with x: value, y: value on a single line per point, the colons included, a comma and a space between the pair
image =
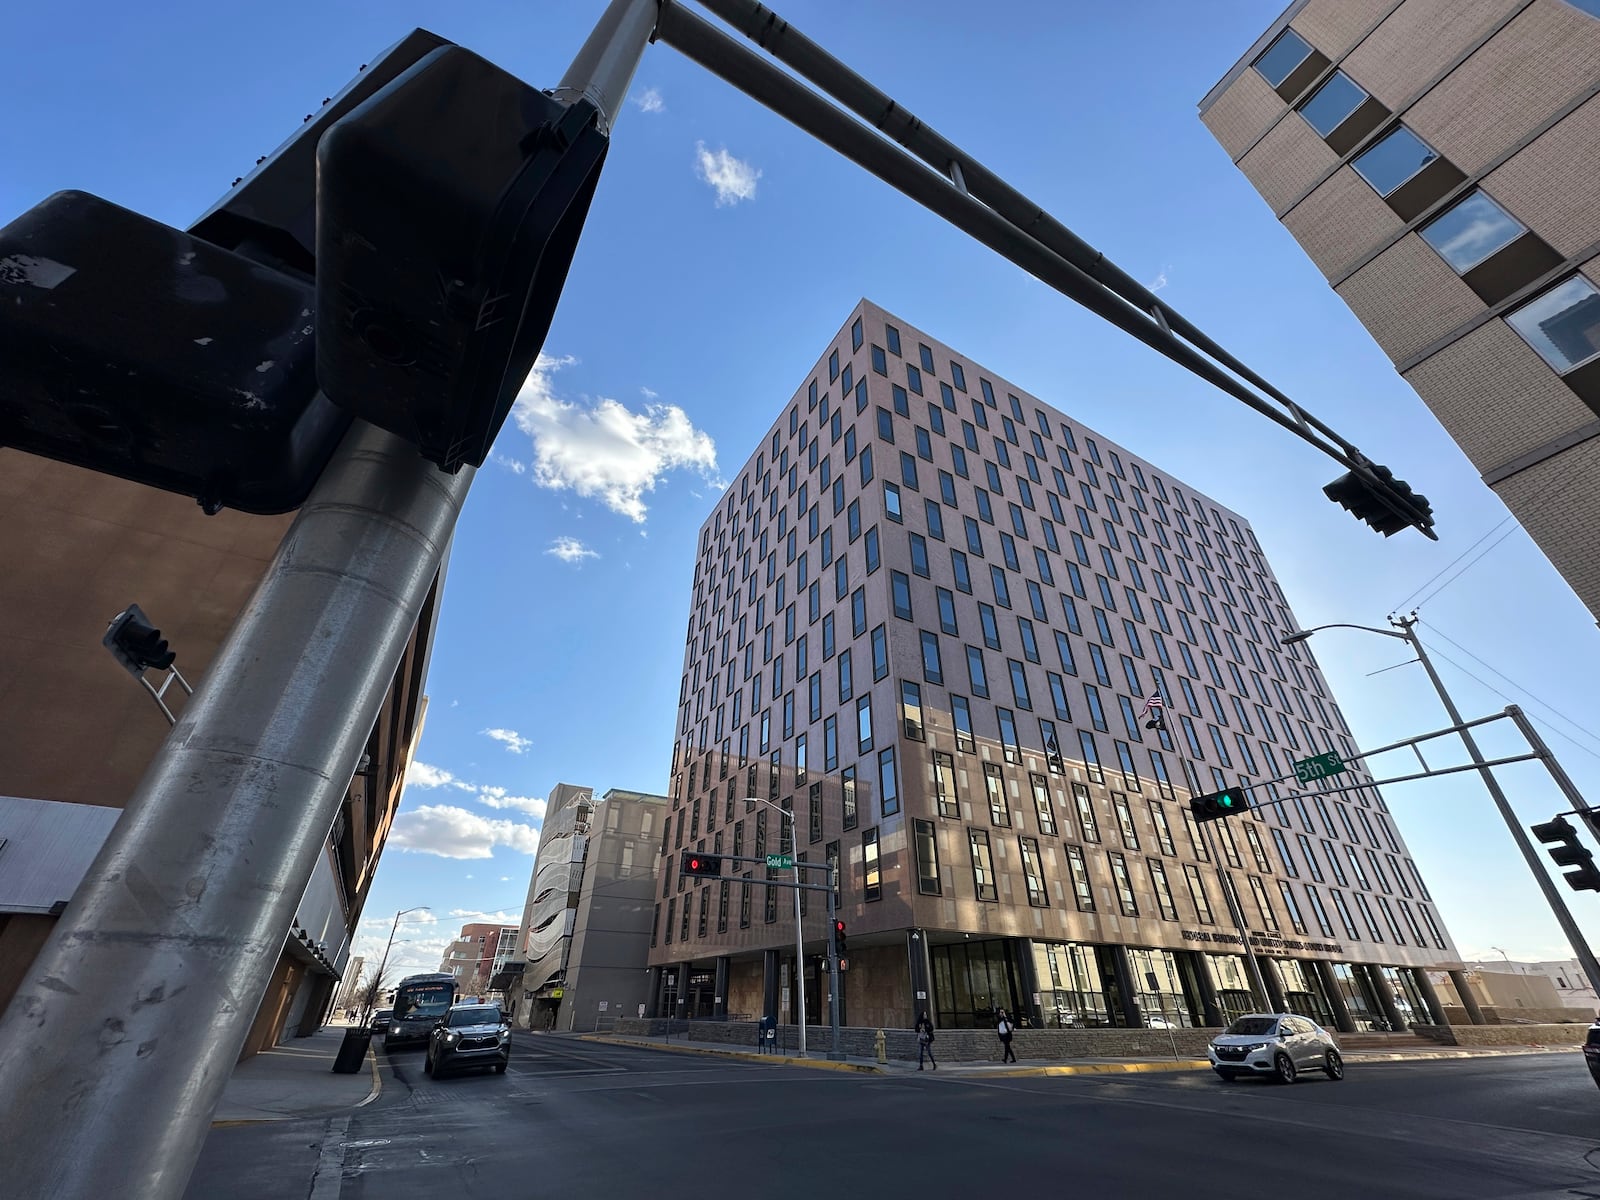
x: 377, y: 1088
x: 377, y: 1080
x: 1108, y: 1068
x: 780, y: 1060
x: 1368, y: 1058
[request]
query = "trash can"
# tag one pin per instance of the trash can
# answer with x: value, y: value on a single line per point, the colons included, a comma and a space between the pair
x: 352, y: 1051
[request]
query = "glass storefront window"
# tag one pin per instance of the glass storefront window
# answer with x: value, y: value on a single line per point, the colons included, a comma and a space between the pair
x: 1160, y: 991
x: 1070, y: 986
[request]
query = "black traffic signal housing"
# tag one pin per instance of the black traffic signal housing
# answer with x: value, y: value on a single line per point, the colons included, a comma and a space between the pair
x: 1560, y: 839
x: 1218, y: 805
x: 137, y: 644
x: 449, y: 206
x: 840, y: 948
x: 1387, y: 504
x: 707, y: 866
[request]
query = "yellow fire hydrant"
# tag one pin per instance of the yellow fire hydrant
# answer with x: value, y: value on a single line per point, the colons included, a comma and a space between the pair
x: 880, y: 1046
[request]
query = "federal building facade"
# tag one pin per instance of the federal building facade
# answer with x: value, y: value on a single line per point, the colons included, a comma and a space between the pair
x: 926, y: 621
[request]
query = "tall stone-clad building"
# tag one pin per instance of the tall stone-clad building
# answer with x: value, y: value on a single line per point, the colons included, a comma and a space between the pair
x: 1435, y: 159
x: 926, y: 619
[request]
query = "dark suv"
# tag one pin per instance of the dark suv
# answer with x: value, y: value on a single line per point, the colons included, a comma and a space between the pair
x: 1591, y: 1051
x: 469, y: 1035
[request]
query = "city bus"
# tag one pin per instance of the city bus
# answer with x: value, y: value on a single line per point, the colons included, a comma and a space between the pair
x: 419, y: 1002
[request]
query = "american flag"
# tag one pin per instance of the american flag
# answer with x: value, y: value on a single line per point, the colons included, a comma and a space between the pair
x: 1154, y: 704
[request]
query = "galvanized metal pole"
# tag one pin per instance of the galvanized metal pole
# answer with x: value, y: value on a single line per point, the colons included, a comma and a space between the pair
x: 117, y: 1045
x: 116, y: 1048
x: 836, y: 1054
x: 1558, y: 906
x: 1580, y: 944
x: 1230, y: 895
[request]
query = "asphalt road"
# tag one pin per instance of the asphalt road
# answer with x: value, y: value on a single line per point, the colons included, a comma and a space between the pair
x: 583, y: 1119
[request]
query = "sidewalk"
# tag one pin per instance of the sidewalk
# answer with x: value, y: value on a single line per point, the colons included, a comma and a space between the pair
x: 296, y: 1079
x: 1094, y: 1066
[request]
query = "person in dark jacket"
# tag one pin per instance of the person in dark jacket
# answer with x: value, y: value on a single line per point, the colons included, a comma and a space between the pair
x: 925, y: 1040
x: 1005, y: 1029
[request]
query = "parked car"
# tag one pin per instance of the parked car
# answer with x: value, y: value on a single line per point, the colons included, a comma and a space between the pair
x: 1591, y: 1051
x: 380, y: 1020
x: 469, y: 1035
x: 1275, y: 1045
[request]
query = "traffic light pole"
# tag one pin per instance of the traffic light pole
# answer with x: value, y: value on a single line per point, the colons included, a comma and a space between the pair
x: 1558, y: 906
x: 122, y: 1034
x: 1236, y: 910
x: 1406, y: 627
x: 834, y: 1053
x: 191, y: 895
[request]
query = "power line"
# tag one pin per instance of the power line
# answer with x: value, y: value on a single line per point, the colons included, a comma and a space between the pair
x: 1450, y: 564
x: 1468, y: 566
x: 1558, y: 483
x: 1507, y: 699
x: 1545, y: 704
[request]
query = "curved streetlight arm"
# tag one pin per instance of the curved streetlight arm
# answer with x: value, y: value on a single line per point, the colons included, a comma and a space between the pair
x: 1305, y: 634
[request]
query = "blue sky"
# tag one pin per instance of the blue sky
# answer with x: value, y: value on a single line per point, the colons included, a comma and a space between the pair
x: 723, y: 251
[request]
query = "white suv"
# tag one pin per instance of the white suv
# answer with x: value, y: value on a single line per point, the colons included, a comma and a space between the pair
x: 1279, y: 1045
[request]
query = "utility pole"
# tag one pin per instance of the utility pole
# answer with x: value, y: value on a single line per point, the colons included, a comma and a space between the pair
x: 160, y: 960
x: 1406, y: 626
x: 377, y: 980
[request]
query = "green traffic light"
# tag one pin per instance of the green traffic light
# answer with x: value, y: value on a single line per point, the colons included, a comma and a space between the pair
x: 1225, y: 800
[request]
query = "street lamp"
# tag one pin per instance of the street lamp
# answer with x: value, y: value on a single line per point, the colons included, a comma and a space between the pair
x: 377, y: 979
x: 799, y: 929
x: 1406, y: 633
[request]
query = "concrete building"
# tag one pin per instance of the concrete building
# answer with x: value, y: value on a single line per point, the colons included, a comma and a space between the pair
x: 606, y: 968
x: 79, y: 731
x: 476, y: 954
x: 1565, y: 975
x: 925, y: 620
x: 551, y: 910
x: 1435, y: 160
x: 586, y: 932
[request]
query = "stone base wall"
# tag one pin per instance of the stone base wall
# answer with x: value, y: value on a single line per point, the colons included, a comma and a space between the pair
x: 1521, y: 1016
x: 1505, y: 1035
x: 951, y: 1045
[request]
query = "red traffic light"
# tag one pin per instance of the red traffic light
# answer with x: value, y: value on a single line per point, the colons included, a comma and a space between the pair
x: 702, y: 864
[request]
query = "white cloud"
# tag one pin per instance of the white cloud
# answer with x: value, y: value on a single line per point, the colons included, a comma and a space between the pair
x: 648, y: 394
x: 496, y: 797
x: 472, y: 916
x: 509, y: 738
x: 451, y: 832
x: 732, y: 179
x: 650, y: 101
x: 1159, y: 282
x: 607, y: 451
x: 571, y: 550
x: 421, y: 775
x: 515, y: 466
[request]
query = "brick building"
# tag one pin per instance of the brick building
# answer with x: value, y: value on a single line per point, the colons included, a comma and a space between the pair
x: 1435, y: 159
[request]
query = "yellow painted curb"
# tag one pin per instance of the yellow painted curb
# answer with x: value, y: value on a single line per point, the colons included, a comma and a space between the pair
x: 1109, y: 1068
x: 821, y: 1064
x: 377, y: 1080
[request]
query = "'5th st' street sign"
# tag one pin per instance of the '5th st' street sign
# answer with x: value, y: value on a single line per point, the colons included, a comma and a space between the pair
x: 1318, y: 766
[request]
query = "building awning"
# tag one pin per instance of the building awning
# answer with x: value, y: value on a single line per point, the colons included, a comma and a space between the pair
x: 507, y: 977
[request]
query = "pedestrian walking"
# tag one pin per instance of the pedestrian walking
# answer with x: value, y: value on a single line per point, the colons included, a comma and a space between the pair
x: 925, y: 1040
x: 1005, y: 1029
